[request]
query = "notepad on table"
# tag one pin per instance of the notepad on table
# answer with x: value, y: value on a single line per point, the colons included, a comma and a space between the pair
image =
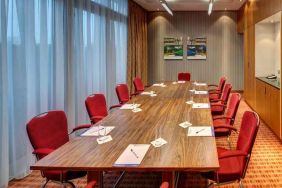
x: 200, y: 84
x: 132, y: 155
x: 200, y: 131
x: 181, y: 82
x: 129, y: 106
x: 201, y: 105
x: 147, y: 92
x: 201, y: 92
x: 94, y: 130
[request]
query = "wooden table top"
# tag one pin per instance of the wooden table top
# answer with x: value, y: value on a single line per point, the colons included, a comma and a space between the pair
x: 163, y: 112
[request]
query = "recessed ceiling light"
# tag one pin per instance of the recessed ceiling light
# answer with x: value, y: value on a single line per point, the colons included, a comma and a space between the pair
x: 225, y: 9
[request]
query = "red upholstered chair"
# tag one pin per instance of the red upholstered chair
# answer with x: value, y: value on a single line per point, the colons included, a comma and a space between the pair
x: 122, y: 93
x: 96, y: 107
x: 47, y: 132
x: 184, y: 76
x: 164, y: 185
x: 91, y: 184
x: 234, y: 163
x: 215, y: 91
x: 138, y: 85
x: 223, y: 125
x: 218, y: 105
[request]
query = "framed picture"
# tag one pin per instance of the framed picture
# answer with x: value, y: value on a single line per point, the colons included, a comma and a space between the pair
x: 197, y: 48
x: 173, y: 48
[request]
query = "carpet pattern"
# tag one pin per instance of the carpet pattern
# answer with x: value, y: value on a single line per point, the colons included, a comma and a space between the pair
x: 265, y: 167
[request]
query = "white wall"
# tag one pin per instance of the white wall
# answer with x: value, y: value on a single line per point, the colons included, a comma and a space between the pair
x: 277, y: 41
x: 267, y: 49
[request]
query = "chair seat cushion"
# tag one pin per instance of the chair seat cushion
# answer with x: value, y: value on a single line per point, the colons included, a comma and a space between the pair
x: 67, y: 175
x: 217, y: 110
x: 221, y: 131
x: 214, y: 96
x: 230, y: 168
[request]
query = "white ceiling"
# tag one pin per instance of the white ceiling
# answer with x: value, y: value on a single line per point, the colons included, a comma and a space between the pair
x: 190, y: 5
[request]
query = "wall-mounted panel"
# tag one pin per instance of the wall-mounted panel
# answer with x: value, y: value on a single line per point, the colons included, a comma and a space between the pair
x: 224, y: 46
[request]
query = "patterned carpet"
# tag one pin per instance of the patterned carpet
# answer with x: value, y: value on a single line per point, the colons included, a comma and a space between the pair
x: 265, y: 168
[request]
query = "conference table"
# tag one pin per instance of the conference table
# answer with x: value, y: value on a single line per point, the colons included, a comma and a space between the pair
x: 160, y: 116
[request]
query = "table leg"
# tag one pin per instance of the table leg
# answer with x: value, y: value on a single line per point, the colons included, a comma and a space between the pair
x: 95, y: 176
x: 169, y: 177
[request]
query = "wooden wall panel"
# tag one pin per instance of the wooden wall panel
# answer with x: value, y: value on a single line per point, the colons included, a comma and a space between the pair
x: 224, y: 48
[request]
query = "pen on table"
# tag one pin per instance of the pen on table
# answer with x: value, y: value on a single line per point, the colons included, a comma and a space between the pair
x: 199, y: 131
x: 134, y: 153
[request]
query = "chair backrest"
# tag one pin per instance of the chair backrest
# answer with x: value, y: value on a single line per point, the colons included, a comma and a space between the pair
x: 138, y: 85
x: 221, y: 83
x: 122, y: 93
x: 96, y: 106
x: 232, y: 108
x: 48, y: 130
x: 184, y: 76
x: 247, y: 136
x: 225, y: 94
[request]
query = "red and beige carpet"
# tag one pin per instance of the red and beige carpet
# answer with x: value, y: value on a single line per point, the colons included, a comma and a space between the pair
x: 265, y: 168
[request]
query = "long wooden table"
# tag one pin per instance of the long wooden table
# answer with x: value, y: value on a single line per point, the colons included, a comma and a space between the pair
x: 163, y: 112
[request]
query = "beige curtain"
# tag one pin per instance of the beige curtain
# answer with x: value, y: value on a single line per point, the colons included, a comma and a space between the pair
x: 137, y: 64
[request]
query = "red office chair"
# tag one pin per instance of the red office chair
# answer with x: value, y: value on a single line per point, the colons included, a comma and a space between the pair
x: 234, y: 163
x: 138, y: 85
x: 216, y: 90
x: 184, y: 76
x: 122, y: 93
x: 218, y: 105
x: 224, y: 124
x: 97, y: 107
x: 91, y: 184
x: 47, y: 132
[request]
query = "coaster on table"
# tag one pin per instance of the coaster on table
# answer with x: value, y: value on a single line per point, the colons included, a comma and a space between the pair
x: 158, y: 142
x: 104, y: 139
x: 185, y: 124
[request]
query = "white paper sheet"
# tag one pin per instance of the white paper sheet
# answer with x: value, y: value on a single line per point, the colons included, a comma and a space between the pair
x: 104, y: 139
x: 135, y: 110
x: 147, y: 92
x: 201, y: 92
x: 190, y: 102
x: 129, y: 106
x: 160, y: 85
x: 200, y: 131
x: 185, y: 124
x: 200, y: 84
x: 159, y: 142
x: 201, y: 105
x: 132, y: 155
x: 181, y: 82
x: 94, y: 130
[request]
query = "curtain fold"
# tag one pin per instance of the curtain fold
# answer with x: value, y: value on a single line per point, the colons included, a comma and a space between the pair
x: 53, y: 54
x: 137, y: 64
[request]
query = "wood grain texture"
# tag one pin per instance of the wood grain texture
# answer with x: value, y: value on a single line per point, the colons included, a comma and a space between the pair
x: 224, y: 46
x: 164, y: 113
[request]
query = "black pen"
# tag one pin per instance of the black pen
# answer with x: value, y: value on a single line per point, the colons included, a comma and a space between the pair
x: 199, y: 131
x: 134, y: 153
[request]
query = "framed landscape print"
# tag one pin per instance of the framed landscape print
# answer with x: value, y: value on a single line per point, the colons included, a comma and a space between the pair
x: 197, y: 48
x: 173, y: 48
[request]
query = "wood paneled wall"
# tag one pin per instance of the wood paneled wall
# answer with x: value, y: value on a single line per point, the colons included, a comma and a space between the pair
x: 251, y: 13
x: 224, y: 46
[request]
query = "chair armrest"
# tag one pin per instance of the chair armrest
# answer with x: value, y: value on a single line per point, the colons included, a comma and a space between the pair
x: 221, y: 117
x: 86, y: 126
x: 216, y: 100
x: 164, y: 185
x: 43, y: 151
x: 225, y: 126
x: 212, y: 85
x: 214, y: 91
x: 233, y: 153
x: 115, y: 106
x: 91, y: 184
x: 222, y: 105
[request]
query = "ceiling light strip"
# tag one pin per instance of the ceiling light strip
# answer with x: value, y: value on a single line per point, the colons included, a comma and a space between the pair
x: 164, y: 4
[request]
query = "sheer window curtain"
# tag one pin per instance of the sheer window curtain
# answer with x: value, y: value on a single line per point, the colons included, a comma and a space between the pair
x: 53, y: 53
